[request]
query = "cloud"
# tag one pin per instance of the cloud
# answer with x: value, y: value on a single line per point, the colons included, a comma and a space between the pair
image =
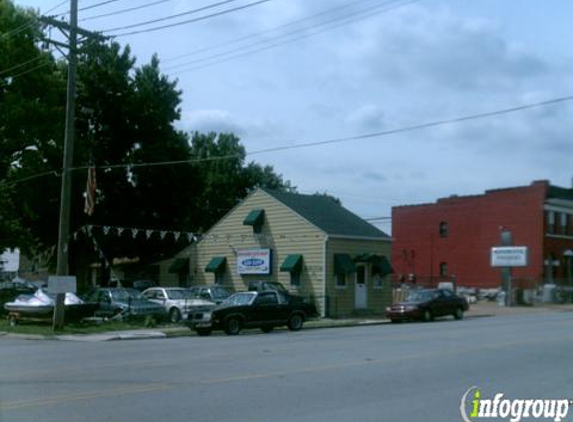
x: 368, y: 117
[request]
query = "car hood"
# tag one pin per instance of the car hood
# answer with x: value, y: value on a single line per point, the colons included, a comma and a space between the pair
x: 408, y: 303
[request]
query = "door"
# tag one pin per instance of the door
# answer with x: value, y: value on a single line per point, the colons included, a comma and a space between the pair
x: 360, y: 289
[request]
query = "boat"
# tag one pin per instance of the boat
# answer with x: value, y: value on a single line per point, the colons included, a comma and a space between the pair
x: 40, y: 305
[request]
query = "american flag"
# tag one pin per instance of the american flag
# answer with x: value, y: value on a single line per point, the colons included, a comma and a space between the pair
x: 89, y: 204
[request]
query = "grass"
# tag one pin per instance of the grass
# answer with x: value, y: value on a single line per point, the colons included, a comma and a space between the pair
x: 44, y: 328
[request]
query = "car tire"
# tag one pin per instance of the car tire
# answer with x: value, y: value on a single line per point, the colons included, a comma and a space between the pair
x: 428, y: 316
x: 459, y: 314
x: 295, y: 322
x: 233, y: 326
x: 174, y: 315
x: 267, y: 329
x: 203, y: 332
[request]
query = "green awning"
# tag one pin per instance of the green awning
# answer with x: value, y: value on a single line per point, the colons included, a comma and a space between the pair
x: 382, y: 267
x: 292, y: 264
x: 367, y: 257
x: 343, y: 264
x: 255, y: 218
x: 216, y: 265
x: 179, y: 265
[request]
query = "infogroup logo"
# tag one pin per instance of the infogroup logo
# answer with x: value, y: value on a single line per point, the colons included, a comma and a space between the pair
x: 474, y: 407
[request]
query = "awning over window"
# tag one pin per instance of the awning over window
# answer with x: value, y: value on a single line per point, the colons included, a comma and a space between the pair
x: 180, y: 265
x: 292, y: 264
x: 255, y: 218
x: 343, y: 264
x: 382, y: 267
x: 216, y: 265
x: 367, y: 257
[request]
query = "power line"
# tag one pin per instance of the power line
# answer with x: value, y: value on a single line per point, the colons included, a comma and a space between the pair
x: 258, y: 34
x: 166, y: 18
x: 129, y: 9
x: 411, y: 128
x: 93, y: 6
x: 345, y: 20
x: 224, y: 12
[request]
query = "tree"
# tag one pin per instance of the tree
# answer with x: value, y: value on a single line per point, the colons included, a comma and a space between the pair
x: 225, y: 178
x: 31, y: 125
x: 149, y: 174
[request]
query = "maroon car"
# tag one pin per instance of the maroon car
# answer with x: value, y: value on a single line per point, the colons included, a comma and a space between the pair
x: 426, y: 304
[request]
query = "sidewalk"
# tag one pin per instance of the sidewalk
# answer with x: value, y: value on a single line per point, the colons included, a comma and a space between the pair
x: 481, y: 309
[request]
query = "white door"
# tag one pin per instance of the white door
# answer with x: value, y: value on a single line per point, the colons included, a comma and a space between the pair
x: 360, y: 289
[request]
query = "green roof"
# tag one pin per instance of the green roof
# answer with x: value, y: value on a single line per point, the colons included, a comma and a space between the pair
x: 324, y: 213
x: 216, y: 265
x: 255, y: 218
x: 292, y: 264
x: 343, y: 264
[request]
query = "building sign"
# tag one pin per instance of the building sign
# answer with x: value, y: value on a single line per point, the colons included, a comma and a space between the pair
x: 509, y: 256
x: 61, y: 284
x: 254, y: 261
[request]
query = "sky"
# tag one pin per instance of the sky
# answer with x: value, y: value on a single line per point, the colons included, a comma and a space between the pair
x: 286, y: 74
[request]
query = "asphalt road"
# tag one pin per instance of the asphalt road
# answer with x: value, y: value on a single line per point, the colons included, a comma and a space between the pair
x: 390, y: 372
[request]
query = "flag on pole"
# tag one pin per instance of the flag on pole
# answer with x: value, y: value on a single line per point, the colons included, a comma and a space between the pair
x: 89, y: 204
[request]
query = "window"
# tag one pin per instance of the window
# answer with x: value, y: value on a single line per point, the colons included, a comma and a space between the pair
x: 360, y: 274
x: 341, y: 280
x: 377, y: 281
x: 563, y: 222
x: 443, y: 269
x: 219, y: 278
x: 443, y: 229
x: 295, y: 279
x: 550, y: 222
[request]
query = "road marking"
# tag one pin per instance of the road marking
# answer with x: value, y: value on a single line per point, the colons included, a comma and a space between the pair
x: 21, y: 404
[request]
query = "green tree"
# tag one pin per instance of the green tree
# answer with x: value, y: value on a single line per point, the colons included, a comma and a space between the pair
x: 31, y: 116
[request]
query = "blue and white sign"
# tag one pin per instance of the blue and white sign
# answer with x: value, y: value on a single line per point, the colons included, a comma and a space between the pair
x: 254, y: 261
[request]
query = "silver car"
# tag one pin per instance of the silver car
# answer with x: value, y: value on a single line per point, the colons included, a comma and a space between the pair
x: 177, y: 301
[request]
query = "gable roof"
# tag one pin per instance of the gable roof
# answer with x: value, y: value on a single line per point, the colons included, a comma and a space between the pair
x: 327, y: 215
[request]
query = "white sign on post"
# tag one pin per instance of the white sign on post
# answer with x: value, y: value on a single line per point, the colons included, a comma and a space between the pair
x: 509, y: 256
x: 62, y: 284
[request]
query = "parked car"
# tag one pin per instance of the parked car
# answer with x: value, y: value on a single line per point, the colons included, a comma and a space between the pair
x: 216, y: 294
x: 265, y: 310
x: 177, y: 301
x: 426, y: 304
x: 120, y: 302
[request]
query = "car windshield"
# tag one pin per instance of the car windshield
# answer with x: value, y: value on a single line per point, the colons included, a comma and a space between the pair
x: 180, y: 294
x: 126, y: 294
x: 240, y: 299
x: 421, y: 295
x: 219, y: 293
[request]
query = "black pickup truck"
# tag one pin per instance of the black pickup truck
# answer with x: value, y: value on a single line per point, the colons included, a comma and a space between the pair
x: 265, y: 310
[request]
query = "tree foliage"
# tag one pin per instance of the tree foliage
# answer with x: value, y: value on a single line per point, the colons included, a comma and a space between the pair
x: 150, y: 175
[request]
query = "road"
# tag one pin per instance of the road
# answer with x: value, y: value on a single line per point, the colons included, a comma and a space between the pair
x: 390, y: 372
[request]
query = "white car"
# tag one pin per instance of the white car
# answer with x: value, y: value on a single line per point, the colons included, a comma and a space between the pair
x: 178, y: 302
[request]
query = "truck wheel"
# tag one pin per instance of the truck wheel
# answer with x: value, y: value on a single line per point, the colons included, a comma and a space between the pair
x: 459, y: 314
x: 233, y: 326
x: 295, y: 322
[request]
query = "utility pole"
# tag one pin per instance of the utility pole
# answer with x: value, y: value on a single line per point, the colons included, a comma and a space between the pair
x: 62, y: 267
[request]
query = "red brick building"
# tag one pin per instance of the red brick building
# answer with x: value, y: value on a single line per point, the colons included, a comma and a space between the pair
x: 451, y: 239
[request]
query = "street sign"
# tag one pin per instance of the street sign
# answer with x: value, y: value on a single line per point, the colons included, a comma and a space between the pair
x: 61, y: 284
x: 509, y: 256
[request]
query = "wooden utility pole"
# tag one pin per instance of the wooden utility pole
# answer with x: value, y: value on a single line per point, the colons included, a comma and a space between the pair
x: 72, y: 31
